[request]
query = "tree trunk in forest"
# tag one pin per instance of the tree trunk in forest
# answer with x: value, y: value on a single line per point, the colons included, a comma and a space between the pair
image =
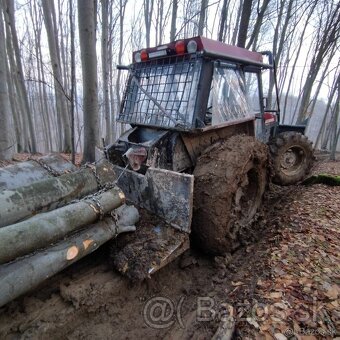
x: 60, y: 98
x: 328, y: 37
x: 173, y: 20
x: 73, y: 81
x: 22, y: 91
x: 105, y: 70
x: 6, y: 145
x: 201, y: 22
x: 244, y: 23
x: 224, y: 14
x: 87, y: 36
x: 258, y: 24
x: 15, y: 113
x: 336, y: 127
x: 148, y: 9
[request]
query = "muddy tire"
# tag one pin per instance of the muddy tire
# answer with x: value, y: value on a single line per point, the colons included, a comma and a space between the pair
x: 292, y: 157
x: 230, y: 179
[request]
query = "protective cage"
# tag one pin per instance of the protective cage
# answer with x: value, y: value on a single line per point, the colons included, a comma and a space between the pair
x: 162, y: 92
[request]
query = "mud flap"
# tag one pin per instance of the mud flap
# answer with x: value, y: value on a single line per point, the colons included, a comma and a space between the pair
x: 165, y: 193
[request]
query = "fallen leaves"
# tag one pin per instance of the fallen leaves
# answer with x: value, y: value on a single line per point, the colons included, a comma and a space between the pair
x: 302, y: 293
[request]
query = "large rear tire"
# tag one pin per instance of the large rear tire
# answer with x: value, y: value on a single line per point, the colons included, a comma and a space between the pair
x: 292, y: 157
x: 230, y: 179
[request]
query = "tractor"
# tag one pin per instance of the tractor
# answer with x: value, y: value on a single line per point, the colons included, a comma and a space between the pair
x: 202, y: 145
x: 197, y: 150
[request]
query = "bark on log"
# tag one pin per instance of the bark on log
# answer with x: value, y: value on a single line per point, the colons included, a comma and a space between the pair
x: 24, y: 173
x: 41, y: 230
x: 19, y: 277
x: 51, y: 193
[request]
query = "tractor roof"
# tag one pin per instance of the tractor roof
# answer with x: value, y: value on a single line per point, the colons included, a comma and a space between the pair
x: 209, y: 47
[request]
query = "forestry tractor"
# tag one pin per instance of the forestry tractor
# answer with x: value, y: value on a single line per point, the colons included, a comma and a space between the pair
x: 195, y: 161
x: 196, y: 154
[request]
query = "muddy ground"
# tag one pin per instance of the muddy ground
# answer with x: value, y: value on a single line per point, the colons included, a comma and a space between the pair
x: 291, y: 262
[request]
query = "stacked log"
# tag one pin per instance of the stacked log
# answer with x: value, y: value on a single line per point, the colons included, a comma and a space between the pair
x: 23, y: 275
x: 40, y: 230
x: 15, y: 176
x: 51, y: 193
x: 44, y: 227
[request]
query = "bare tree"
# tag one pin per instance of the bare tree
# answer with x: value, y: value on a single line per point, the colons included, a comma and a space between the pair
x: 60, y: 98
x: 326, y: 39
x: 73, y: 79
x: 244, y: 23
x: 223, y: 20
x: 336, y: 125
x: 201, y: 22
x: 87, y: 11
x: 148, y: 10
x: 105, y: 69
x: 25, y: 107
x: 6, y: 146
x: 173, y: 20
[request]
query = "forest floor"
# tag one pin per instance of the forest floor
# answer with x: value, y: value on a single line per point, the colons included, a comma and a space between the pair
x: 282, y: 285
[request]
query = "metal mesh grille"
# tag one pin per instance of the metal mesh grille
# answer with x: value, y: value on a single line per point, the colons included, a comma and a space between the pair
x: 162, y: 92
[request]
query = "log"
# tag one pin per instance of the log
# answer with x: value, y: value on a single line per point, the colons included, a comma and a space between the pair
x: 14, y: 176
x: 331, y: 180
x: 40, y: 230
x: 18, y: 277
x: 51, y: 193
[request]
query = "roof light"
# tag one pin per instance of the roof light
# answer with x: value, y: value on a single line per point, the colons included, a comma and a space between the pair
x: 138, y: 58
x: 144, y: 55
x: 192, y: 46
x: 180, y: 47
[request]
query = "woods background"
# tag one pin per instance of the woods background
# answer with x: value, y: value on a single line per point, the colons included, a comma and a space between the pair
x: 60, y: 89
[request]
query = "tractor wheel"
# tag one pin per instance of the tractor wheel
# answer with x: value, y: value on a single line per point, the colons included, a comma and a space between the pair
x: 292, y: 157
x: 230, y: 179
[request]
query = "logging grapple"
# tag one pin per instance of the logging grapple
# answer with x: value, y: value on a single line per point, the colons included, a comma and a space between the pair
x: 195, y: 160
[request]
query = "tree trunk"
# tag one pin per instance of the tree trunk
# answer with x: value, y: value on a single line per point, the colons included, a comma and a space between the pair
x: 224, y: 14
x: 52, y: 193
x: 61, y: 106
x: 173, y: 20
x: 244, y: 23
x: 201, y: 22
x: 87, y: 36
x: 23, y: 91
x: 73, y: 80
x: 6, y: 145
x: 105, y: 70
x: 258, y: 24
x: 14, y: 176
x: 148, y: 10
x: 40, y: 230
x: 25, y: 274
x: 328, y: 37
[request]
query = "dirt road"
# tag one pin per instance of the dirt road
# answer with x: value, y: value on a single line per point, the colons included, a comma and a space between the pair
x: 291, y: 261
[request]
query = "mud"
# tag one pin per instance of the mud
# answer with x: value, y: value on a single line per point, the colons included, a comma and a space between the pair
x: 90, y: 300
x: 135, y: 254
x: 230, y: 179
